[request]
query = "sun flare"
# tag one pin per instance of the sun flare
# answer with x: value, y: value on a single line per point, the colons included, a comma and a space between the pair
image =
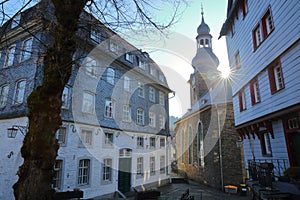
x: 225, y: 72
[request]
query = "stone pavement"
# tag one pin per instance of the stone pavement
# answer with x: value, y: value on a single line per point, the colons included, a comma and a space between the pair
x: 200, y: 192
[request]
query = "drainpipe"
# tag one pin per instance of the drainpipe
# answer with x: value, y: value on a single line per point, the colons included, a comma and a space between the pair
x: 220, y: 150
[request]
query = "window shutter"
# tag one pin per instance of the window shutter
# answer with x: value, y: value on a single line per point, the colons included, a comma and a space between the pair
x: 252, y: 93
x: 272, y: 80
x: 240, y: 101
x: 254, y: 39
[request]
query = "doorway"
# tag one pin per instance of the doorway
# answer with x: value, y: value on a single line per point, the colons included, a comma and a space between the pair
x: 124, y: 171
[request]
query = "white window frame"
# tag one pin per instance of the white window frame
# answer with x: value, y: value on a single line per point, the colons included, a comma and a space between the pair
x: 129, y: 57
x: 162, y: 121
x: 109, y: 109
x: 140, y: 142
x: 110, y: 75
x: 4, y: 89
x: 88, y: 102
x: 140, y: 167
x: 152, y: 119
x: 113, y: 47
x: 126, y: 113
x: 9, y: 57
x: 140, y: 116
x: 86, y: 138
x: 152, y: 70
x: 141, y: 89
x: 293, y: 123
x: 84, y: 172
x: 161, y: 98
x: 57, y: 178
x: 91, y: 67
x: 162, y: 164
x: 65, y: 97
x: 108, y: 139
x: 61, y: 136
x: 127, y: 83
x: 258, y: 35
x: 162, y: 142
x: 278, y: 77
x: 267, y: 141
x: 19, y: 91
x: 107, y: 171
x: 152, y: 142
x: 95, y: 35
x: 256, y: 92
x: 152, y: 165
x: 26, y: 49
x: 142, y: 64
x: 151, y: 94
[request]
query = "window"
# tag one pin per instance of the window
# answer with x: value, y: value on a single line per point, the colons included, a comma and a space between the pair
x: 276, y: 77
x: 85, y: 138
x: 57, y: 178
x: 162, y: 165
x: 152, y: 70
x: 200, y: 147
x: 162, y: 121
x: 182, y: 146
x: 245, y: 8
x: 293, y: 123
x: 161, y: 98
x: 9, y: 58
x: 140, y: 89
x: 162, y: 142
x: 263, y: 29
x: 109, y: 108
x: 113, y: 47
x: 16, y: 21
x: 190, y: 146
x: 91, y: 67
x: 61, y: 136
x: 126, y: 113
x: 140, y: 116
x: 237, y: 60
x: 26, y: 49
x: 152, y: 165
x: 242, y: 100
x: 107, y: 170
x: 88, y: 102
x: 129, y: 57
x: 254, y: 90
x: 19, y: 92
x: 96, y: 36
x: 140, y: 142
x: 3, y: 95
x: 127, y: 83
x: 65, y: 97
x: 152, y: 142
x: 142, y: 64
x: 161, y: 77
x: 151, y: 119
x: 152, y: 94
x: 140, y: 167
x: 109, y: 139
x: 232, y: 27
x: 110, y: 76
x: 266, y: 144
x: 84, y: 172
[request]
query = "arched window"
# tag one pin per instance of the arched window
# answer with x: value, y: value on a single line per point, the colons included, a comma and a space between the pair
x: 190, y: 145
x: 200, y: 150
x: 182, y: 146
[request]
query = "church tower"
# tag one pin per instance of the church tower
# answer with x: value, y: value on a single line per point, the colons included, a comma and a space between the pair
x: 205, y: 63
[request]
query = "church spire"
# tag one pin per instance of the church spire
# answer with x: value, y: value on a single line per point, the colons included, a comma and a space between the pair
x: 202, y: 12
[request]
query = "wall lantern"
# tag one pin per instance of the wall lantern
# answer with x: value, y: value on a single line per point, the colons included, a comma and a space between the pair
x: 12, y: 132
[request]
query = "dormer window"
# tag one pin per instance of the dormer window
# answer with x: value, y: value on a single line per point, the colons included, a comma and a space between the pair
x: 16, y: 21
x: 129, y: 57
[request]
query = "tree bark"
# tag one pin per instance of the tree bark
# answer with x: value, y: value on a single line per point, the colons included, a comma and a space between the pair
x: 40, y: 146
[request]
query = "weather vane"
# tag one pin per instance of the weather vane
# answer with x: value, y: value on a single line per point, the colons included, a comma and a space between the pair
x: 202, y: 9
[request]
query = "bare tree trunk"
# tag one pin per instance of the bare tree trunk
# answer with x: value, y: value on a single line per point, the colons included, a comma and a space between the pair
x: 40, y: 147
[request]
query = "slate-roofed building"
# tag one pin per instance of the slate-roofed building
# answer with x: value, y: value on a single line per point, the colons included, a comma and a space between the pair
x: 263, y: 49
x: 115, y: 108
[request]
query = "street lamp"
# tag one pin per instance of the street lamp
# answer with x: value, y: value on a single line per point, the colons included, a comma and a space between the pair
x: 12, y: 132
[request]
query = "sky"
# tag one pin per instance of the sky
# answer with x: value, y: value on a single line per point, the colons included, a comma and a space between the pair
x: 175, y: 53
